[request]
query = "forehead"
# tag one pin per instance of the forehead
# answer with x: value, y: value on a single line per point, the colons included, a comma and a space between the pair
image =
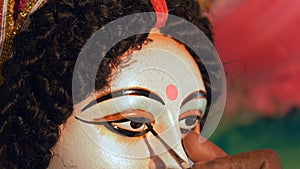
x: 160, y: 64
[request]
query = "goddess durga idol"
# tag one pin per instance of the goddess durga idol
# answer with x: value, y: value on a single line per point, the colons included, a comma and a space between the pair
x: 72, y: 96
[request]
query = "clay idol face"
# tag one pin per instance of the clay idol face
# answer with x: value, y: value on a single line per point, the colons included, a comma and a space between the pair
x: 156, y: 96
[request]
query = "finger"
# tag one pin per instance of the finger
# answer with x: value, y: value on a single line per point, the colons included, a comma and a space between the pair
x: 199, y: 150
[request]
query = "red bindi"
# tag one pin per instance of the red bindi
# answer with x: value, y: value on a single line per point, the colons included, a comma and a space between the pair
x: 171, y: 92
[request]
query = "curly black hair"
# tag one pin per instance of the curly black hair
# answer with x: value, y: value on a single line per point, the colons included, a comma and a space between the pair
x: 37, y: 92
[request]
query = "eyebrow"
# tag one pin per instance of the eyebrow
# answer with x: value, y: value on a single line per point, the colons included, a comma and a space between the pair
x: 126, y: 92
x: 194, y: 95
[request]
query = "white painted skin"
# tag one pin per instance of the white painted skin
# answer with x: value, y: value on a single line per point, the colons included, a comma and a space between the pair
x: 158, y: 64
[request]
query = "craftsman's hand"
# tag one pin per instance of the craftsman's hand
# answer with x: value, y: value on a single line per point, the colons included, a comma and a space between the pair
x: 207, y: 155
x: 259, y: 159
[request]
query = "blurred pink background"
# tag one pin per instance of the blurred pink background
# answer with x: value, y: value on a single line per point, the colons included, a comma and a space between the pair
x: 259, y: 43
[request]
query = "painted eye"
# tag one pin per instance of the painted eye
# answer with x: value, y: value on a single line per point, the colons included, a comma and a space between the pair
x: 132, y: 127
x: 188, y: 123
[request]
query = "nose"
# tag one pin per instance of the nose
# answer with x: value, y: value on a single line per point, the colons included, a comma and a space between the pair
x: 172, y: 157
x: 167, y: 160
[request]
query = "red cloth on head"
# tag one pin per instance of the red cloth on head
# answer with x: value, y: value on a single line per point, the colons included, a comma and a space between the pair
x: 161, y: 9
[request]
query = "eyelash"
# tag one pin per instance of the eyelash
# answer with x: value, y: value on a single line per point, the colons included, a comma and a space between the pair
x: 137, y: 126
x: 119, y: 126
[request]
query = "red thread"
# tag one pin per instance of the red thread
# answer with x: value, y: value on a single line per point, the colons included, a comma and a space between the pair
x: 161, y: 10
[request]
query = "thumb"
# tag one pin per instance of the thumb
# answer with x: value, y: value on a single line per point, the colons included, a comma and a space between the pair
x: 200, y: 149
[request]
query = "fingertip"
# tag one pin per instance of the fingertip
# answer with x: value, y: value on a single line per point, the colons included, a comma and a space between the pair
x: 200, y: 149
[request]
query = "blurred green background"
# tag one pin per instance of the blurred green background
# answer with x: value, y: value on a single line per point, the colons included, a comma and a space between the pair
x: 247, y: 132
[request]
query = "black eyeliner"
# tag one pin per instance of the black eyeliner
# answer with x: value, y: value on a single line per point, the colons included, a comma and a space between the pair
x: 125, y: 92
x: 194, y: 95
x: 89, y: 122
